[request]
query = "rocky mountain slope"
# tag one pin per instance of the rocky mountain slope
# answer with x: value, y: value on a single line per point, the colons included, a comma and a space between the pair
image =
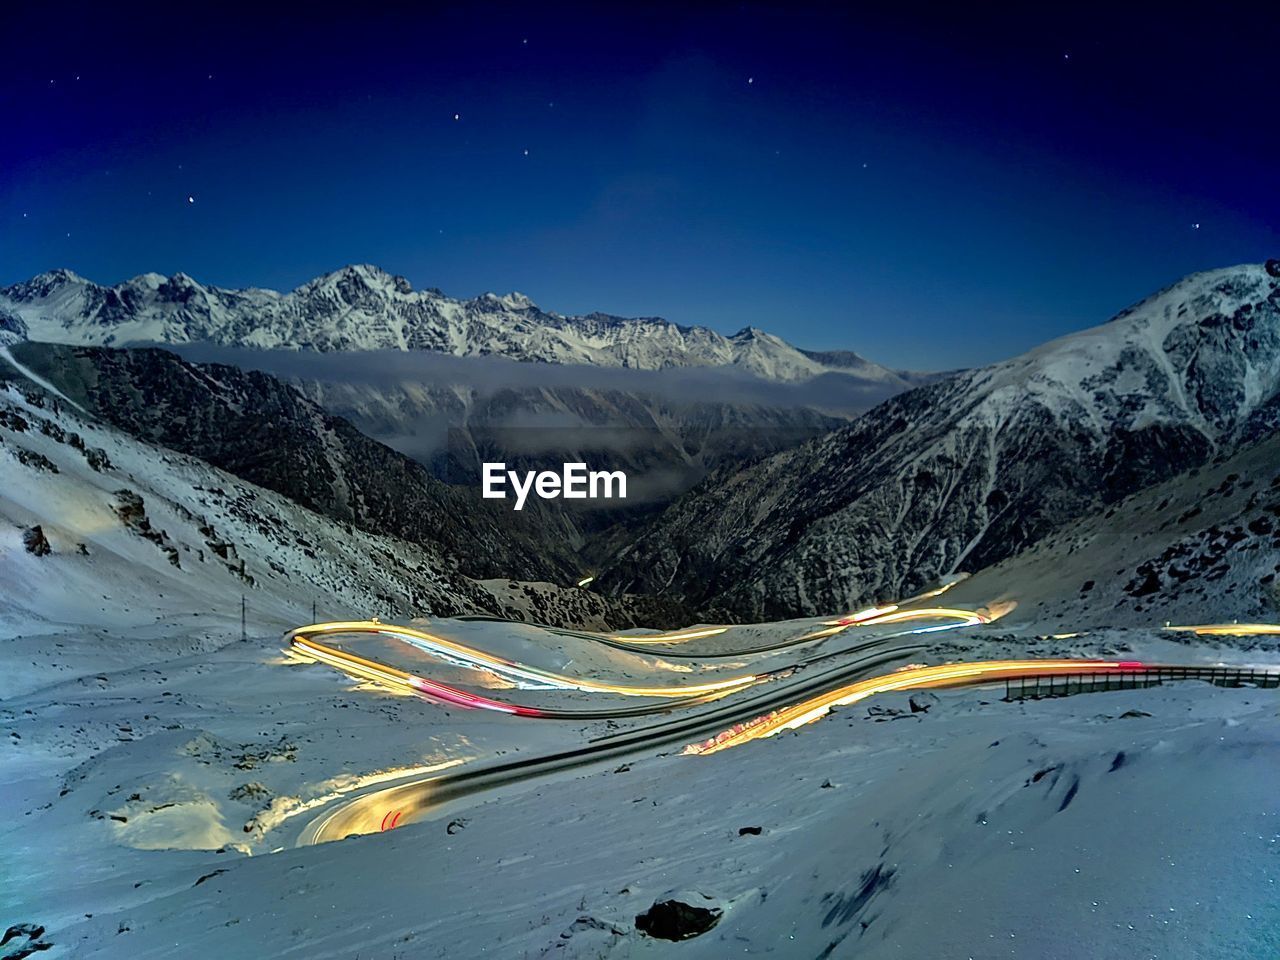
x: 366, y: 308
x: 98, y: 527
x: 262, y: 430
x: 1201, y: 547
x: 963, y: 473
x: 665, y: 444
x: 95, y: 525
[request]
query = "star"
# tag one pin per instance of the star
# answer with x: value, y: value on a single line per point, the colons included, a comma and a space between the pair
x: 526, y: 153
x: 457, y: 116
x: 751, y: 79
x: 1195, y: 226
x: 191, y: 199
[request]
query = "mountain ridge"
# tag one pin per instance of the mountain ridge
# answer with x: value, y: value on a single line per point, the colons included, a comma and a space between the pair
x: 959, y: 474
x: 363, y: 307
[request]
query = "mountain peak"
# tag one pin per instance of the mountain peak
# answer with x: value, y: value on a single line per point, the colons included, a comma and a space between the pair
x: 59, y: 275
x: 361, y: 306
x: 512, y: 301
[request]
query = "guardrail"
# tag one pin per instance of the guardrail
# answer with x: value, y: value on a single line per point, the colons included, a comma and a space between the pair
x: 1068, y: 684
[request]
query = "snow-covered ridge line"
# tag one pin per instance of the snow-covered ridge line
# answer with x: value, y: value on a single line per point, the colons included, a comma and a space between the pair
x: 366, y: 308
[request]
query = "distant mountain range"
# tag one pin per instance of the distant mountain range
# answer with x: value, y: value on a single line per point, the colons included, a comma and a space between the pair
x: 366, y: 308
x: 433, y: 377
x: 963, y: 473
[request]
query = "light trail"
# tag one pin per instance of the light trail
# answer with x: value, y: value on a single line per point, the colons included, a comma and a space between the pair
x: 402, y: 682
x: 302, y: 639
x: 399, y: 679
x: 303, y: 642
x: 418, y: 797
x: 890, y: 613
x: 1229, y: 629
x: 675, y: 636
x: 910, y: 678
x: 861, y: 615
x: 413, y: 800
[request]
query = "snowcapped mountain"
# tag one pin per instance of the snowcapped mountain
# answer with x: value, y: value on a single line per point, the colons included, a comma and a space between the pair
x: 366, y: 308
x: 960, y: 474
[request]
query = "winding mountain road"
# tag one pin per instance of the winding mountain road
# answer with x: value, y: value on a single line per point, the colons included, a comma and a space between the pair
x: 712, y: 716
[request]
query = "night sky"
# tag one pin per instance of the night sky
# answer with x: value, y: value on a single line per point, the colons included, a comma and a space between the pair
x: 929, y: 190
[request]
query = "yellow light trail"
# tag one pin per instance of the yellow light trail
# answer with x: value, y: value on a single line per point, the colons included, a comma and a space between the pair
x: 875, y: 616
x: 1230, y: 629
x: 966, y: 617
x: 861, y: 616
x: 302, y: 639
x: 867, y: 617
x: 911, y: 678
x: 675, y: 636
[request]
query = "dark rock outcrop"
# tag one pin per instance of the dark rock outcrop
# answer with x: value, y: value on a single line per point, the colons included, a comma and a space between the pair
x: 677, y: 920
x: 36, y: 542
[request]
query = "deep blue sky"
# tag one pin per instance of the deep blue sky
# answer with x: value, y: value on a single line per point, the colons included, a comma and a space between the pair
x: 930, y: 190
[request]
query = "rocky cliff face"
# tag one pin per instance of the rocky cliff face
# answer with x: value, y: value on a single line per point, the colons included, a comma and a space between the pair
x: 963, y: 473
x: 12, y: 329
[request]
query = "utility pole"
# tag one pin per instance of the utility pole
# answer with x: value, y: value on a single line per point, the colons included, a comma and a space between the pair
x: 243, y: 633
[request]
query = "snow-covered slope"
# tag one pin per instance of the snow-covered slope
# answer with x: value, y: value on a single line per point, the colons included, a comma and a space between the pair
x: 263, y: 431
x: 960, y: 474
x: 1112, y: 826
x: 366, y: 308
x: 124, y: 524
x: 99, y: 530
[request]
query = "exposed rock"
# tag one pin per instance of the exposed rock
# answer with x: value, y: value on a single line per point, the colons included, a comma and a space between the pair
x: 38, y: 461
x: 678, y: 920
x: 250, y: 792
x: 36, y: 542
x: 922, y: 701
x: 12, y: 329
x: 35, y: 942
